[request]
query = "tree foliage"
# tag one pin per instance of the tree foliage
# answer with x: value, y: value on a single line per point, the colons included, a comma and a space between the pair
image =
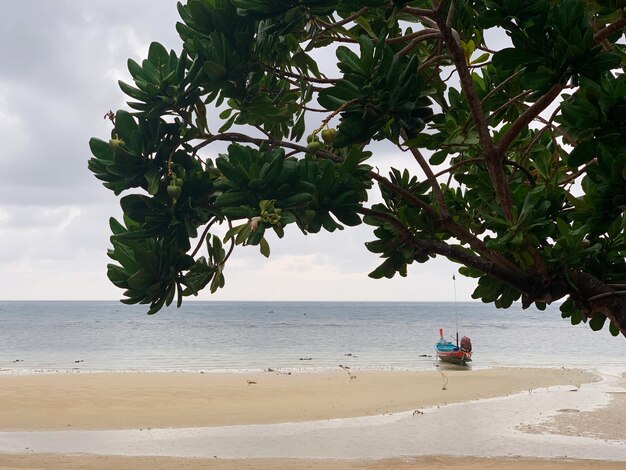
x: 511, y: 116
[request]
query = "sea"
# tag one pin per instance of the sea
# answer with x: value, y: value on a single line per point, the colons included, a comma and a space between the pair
x: 96, y: 336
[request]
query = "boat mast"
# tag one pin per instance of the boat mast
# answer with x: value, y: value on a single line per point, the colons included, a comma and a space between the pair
x: 456, y: 311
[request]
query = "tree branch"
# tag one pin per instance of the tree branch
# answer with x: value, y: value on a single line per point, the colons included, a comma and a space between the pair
x: 237, y: 137
x: 492, y: 157
x: 418, y: 11
x: 514, y: 278
x: 410, y: 46
x: 297, y: 76
x: 416, y: 35
x: 432, y: 60
x: 434, y: 184
x: 527, y: 117
x: 608, y: 30
x: 202, y: 237
x: 406, y: 194
x: 346, y: 20
x: 446, y: 223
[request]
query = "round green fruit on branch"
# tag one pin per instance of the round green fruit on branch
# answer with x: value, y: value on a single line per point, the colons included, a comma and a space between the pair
x: 329, y: 135
x: 312, y: 138
x: 174, y: 191
x: 314, y: 145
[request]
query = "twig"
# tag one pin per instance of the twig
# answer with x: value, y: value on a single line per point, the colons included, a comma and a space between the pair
x: 415, y: 35
x: 409, y: 47
x: 347, y: 369
x: 238, y: 137
x: 202, y: 237
x: 346, y: 20
x: 433, y: 59
x: 443, y: 208
x: 445, y: 381
x: 300, y: 77
x: 606, y: 294
x: 403, y: 192
x: 417, y: 11
x: 332, y: 115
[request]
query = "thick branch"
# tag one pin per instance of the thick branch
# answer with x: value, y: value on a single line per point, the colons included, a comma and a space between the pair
x: 527, y: 117
x: 608, y: 30
x: 492, y: 157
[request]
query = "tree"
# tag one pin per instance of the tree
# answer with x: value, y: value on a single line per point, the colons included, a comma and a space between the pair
x: 515, y: 151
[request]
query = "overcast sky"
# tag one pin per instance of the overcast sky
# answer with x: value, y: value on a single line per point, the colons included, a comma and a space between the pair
x: 60, y: 62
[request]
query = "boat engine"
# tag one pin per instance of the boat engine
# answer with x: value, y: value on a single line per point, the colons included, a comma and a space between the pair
x: 466, y: 344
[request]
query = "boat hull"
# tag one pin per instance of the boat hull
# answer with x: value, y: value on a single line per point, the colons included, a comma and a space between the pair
x: 450, y: 352
x: 455, y: 357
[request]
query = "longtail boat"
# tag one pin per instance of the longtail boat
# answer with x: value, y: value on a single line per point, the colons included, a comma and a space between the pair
x: 454, y: 353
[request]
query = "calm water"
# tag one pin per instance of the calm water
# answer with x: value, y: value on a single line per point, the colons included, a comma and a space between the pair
x: 259, y: 335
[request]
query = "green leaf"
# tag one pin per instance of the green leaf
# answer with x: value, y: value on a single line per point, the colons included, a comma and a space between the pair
x: 133, y: 92
x: 153, y: 178
x: 215, y: 71
x: 508, y: 59
x: 158, y: 55
x: 597, y: 322
x: 101, y: 149
x: 438, y: 158
x: 363, y: 23
x: 264, y: 247
x: 349, y: 61
x: 583, y: 153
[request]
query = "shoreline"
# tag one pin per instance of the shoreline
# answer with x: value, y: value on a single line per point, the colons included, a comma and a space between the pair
x: 524, y: 417
x: 436, y: 366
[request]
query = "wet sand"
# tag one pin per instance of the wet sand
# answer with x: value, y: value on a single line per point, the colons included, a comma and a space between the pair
x: 130, y: 401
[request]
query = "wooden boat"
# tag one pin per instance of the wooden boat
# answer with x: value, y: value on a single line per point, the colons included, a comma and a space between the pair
x: 454, y: 353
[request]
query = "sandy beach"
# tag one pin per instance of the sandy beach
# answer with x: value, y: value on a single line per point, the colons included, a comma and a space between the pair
x: 55, y: 462
x: 138, y: 401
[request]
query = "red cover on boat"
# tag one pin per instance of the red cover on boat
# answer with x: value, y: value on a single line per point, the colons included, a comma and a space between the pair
x: 466, y: 343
